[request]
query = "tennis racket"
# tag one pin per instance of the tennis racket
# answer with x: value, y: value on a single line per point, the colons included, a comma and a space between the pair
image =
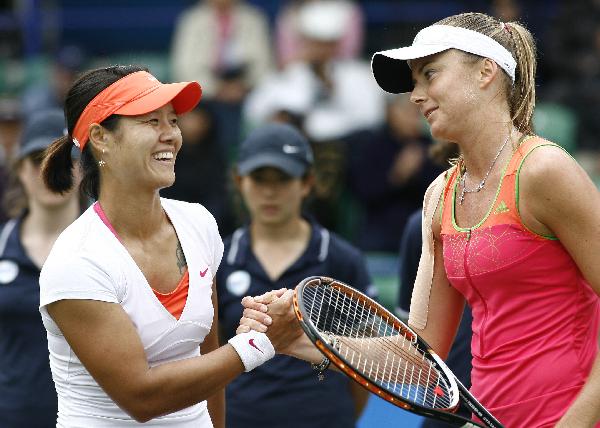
x: 377, y: 350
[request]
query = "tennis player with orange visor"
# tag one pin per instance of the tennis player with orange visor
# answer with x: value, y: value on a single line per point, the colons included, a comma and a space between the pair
x: 127, y: 293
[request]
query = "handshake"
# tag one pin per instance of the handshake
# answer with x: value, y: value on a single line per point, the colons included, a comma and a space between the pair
x: 268, y: 326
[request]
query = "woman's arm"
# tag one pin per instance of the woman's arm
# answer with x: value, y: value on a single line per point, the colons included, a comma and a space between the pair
x: 108, y: 345
x: 446, y: 304
x: 216, y: 403
x: 360, y: 396
x: 557, y: 195
x: 105, y: 340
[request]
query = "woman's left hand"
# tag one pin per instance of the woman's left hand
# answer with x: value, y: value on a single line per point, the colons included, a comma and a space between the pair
x: 256, y: 318
x: 255, y: 315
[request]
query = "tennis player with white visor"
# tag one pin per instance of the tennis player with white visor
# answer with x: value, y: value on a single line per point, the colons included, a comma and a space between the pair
x: 511, y: 228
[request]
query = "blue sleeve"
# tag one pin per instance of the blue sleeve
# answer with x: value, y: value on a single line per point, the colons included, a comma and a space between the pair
x: 348, y: 264
x: 410, y: 253
x: 229, y: 306
x: 362, y: 279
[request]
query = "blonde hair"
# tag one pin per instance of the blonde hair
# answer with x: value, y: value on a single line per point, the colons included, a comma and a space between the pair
x: 519, y: 42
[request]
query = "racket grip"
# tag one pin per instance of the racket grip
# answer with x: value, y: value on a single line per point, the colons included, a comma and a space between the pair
x: 253, y: 347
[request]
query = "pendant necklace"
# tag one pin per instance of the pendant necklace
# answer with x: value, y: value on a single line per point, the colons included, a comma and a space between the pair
x: 481, y: 184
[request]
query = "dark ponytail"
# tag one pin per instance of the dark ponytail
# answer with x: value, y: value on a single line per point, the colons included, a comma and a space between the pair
x: 58, y: 163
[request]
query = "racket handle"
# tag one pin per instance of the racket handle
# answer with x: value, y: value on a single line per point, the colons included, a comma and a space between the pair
x: 475, y: 406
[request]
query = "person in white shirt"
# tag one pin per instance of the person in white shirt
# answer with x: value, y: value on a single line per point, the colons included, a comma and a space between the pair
x: 330, y: 97
x: 225, y: 44
x: 127, y: 294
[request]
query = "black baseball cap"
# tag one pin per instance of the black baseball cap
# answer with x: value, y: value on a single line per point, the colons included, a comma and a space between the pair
x: 41, y: 130
x: 275, y: 145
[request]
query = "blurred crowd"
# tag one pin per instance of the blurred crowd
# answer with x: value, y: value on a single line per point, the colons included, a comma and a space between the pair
x: 308, y: 66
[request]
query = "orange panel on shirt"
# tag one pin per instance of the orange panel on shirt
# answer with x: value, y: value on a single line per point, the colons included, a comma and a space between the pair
x: 174, y: 301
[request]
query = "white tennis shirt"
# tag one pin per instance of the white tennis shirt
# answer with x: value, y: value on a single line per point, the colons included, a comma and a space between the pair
x: 89, y: 262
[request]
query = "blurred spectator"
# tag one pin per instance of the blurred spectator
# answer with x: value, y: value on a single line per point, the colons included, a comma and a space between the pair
x: 333, y: 97
x: 506, y: 10
x: 201, y: 167
x: 10, y: 130
x: 329, y: 98
x: 11, y: 114
x: 11, y: 32
x: 223, y: 44
x: 288, y: 37
x: 38, y: 216
x: 66, y: 64
x: 388, y: 173
x: 572, y: 60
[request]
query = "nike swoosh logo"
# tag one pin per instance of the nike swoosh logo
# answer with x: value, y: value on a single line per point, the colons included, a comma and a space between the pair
x: 287, y: 148
x: 203, y: 273
x: 251, y: 342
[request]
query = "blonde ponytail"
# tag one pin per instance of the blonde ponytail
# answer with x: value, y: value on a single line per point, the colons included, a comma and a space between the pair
x: 522, y: 97
x: 519, y: 42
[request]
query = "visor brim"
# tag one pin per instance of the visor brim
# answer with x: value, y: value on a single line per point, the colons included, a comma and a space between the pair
x: 183, y: 95
x: 390, y: 68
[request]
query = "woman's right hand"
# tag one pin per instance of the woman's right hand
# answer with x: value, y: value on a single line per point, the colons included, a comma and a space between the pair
x: 255, y: 315
x: 273, y: 314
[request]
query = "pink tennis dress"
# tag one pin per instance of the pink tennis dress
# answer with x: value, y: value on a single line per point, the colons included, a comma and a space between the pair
x: 535, y: 318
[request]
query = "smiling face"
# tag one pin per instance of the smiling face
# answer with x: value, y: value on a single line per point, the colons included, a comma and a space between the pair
x: 141, y: 152
x: 446, y: 91
x: 271, y: 196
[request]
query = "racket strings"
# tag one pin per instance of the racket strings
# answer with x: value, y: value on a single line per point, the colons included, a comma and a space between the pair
x: 396, y: 340
x: 415, y: 369
x: 394, y: 361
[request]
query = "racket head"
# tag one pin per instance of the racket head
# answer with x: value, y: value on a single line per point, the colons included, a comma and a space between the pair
x: 340, y: 320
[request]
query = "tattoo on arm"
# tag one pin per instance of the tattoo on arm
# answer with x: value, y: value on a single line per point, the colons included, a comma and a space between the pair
x: 181, y: 262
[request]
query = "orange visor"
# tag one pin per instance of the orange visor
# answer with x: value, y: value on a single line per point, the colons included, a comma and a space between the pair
x: 132, y: 95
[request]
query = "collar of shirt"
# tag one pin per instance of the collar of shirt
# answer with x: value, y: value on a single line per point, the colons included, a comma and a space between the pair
x: 11, y: 246
x: 240, y: 250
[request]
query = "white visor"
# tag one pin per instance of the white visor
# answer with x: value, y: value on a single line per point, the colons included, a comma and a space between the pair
x: 391, y: 70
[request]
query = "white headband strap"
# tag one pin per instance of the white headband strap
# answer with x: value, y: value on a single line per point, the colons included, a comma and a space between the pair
x: 467, y: 41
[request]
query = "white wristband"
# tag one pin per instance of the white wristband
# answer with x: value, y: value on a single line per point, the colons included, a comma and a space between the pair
x: 253, y: 347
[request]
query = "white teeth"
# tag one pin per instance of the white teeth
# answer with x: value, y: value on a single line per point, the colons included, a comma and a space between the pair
x: 163, y: 155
